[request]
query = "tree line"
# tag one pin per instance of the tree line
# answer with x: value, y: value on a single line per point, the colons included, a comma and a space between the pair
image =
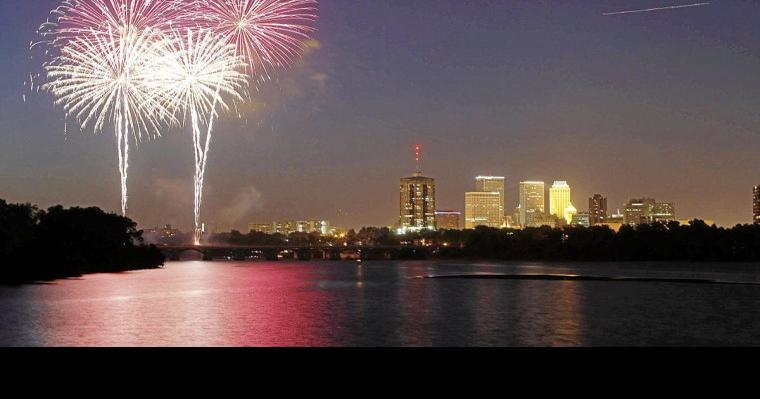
x: 671, y: 241
x: 38, y: 244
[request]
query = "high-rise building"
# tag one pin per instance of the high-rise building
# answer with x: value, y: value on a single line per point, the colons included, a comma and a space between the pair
x: 417, y: 200
x: 532, y: 202
x: 480, y: 207
x: 597, y: 209
x: 664, y: 212
x: 489, y: 184
x: 559, y: 198
x: 756, y: 205
x: 483, y: 209
x: 639, y: 211
x: 447, y: 220
x: 417, y: 203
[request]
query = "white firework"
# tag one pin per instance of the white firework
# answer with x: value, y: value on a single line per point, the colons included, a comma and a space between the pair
x: 109, y: 77
x: 81, y: 33
x: 198, y: 74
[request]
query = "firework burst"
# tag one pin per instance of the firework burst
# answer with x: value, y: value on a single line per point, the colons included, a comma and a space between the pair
x: 268, y: 34
x: 101, y: 53
x: 197, y: 74
x: 108, y: 77
x: 76, y: 18
x: 264, y: 34
x: 125, y: 63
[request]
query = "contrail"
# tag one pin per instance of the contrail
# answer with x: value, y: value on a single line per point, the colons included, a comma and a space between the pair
x: 656, y: 9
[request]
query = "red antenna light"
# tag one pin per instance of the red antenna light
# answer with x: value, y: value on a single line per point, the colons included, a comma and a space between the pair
x: 418, y: 158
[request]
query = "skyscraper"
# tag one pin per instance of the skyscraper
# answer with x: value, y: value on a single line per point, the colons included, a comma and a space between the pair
x: 559, y: 198
x: 483, y: 209
x: 489, y: 184
x: 597, y: 209
x: 532, y: 202
x: 485, y: 206
x: 756, y: 205
x: 639, y: 211
x: 417, y: 200
x: 417, y: 203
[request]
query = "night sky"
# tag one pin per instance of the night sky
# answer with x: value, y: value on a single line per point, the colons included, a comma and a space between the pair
x: 663, y: 104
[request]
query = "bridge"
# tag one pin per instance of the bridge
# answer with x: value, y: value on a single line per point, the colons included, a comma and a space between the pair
x: 302, y: 253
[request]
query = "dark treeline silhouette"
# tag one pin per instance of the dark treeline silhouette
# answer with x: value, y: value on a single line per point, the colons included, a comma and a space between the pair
x: 40, y: 244
x: 649, y: 242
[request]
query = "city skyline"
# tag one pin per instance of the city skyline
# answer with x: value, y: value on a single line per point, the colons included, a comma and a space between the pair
x: 640, y: 107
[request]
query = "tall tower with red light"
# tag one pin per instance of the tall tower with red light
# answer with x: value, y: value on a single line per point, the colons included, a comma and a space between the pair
x: 417, y: 199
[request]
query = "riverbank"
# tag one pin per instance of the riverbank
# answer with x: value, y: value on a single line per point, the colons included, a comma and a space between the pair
x: 45, y: 245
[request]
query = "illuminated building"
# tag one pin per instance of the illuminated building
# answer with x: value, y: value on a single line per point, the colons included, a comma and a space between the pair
x: 647, y: 210
x: 569, y: 213
x: 483, y: 209
x: 447, y: 220
x: 163, y: 233
x: 532, y: 203
x: 616, y: 217
x: 417, y: 201
x: 664, y: 212
x: 543, y: 219
x: 614, y: 221
x: 756, y: 205
x: 597, y: 209
x: 485, y: 205
x: 490, y: 184
x: 313, y: 226
x: 267, y: 228
x: 639, y: 211
x: 286, y: 227
x: 559, y: 198
x: 581, y: 219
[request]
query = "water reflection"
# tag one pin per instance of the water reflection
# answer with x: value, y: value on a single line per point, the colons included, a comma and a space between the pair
x: 371, y: 304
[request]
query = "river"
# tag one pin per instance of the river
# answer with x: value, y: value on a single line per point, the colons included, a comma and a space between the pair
x: 292, y: 303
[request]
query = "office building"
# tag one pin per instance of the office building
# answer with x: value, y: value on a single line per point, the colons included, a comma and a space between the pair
x: 559, y: 198
x: 664, y: 212
x: 639, y: 211
x: 532, y: 202
x: 313, y: 226
x: 448, y: 220
x: 597, y: 209
x: 582, y: 219
x: 489, y: 184
x: 483, y: 209
x: 417, y: 201
x: 543, y: 220
x: 267, y: 228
